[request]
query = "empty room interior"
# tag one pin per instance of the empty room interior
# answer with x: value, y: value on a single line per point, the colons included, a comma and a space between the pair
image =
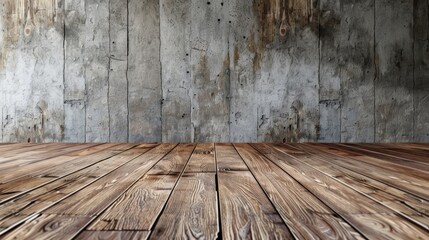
x: 214, y: 119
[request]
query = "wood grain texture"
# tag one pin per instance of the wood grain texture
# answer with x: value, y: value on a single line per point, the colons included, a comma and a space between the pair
x: 209, y: 191
x: 346, y: 202
x: 197, y: 216
x: 306, y: 216
x: 49, y: 227
x: 112, y: 235
x: 148, y: 195
x: 414, y: 182
x: 43, y: 197
x: 245, y: 210
x: 99, y: 195
x: 202, y: 159
x: 407, y: 205
x: 227, y: 158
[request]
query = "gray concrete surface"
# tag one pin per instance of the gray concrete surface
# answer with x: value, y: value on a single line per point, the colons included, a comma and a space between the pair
x: 215, y: 70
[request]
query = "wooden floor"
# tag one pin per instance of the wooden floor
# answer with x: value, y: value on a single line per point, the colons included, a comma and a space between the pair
x: 208, y: 191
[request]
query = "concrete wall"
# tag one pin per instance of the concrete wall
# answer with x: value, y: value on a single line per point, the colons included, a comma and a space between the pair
x: 215, y: 70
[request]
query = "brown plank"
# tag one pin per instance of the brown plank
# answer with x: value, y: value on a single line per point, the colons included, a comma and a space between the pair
x: 36, y: 179
x: 381, y: 158
x: 305, y: 215
x: 41, y: 164
x: 409, y: 206
x: 44, y: 156
x: 228, y: 161
x: 144, y: 201
x: 388, y: 174
x: 392, y: 153
x: 346, y: 202
x: 195, y: 193
x: 245, y: 210
x: 99, y: 195
x: 197, y: 216
x: 202, y: 159
x: 41, y: 198
x: 49, y: 227
x: 112, y: 235
x: 23, y: 149
x: 36, y: 152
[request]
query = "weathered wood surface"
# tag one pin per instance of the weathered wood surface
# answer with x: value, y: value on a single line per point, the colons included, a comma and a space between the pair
x: 292, y: 191
x: 194, y: 71
x: 245, y: 210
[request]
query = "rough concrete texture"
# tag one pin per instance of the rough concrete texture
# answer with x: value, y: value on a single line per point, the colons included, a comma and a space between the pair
x: 216, y: 70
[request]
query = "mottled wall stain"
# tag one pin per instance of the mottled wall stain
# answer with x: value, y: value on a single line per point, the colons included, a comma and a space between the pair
x: 276, y: 19
x: 20, y: 17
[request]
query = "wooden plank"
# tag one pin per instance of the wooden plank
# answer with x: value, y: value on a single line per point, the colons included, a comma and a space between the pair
x: 397, y: 148
x: 175, y: 52
x: 41, y: 198
x: 381, y: 158
x: 49, y: 227
x: 210, y: 62
x: 305, y: 215
x: 197, y: 216
x: 245, y: 210
x: 411, y: 207
x: 45, y: 155
x: 24, y: 151
x: 196, y: 193
x: 227, y: 160
x: 202, y: 159
x: 113, y: 235
x: 400, y: 179
x: 348, y: 203
x: 24, y: 168
x: 394, y: 71
x: 416, y: 169
x: 39, y: 178
x: 99, y: 195
x: 148, y: 195
x: 413, y: 156
x: 421, y: 70
x: 118, y: 63
x: 144, y: 71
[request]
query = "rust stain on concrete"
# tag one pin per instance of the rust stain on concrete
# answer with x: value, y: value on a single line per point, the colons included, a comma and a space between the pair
x: 21, y: 17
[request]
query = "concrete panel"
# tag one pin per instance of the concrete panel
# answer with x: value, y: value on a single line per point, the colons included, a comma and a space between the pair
x: 394, y: 71
x: 144, y: 71
x: 175, y: 55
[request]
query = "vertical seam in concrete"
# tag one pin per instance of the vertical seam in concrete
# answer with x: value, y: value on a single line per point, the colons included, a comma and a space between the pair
x: 375, y: 73
x: 191, y: 82
x: 126, y: 72
x: 108, y: 72
x: 160, y: 71
x: 320, y: 60
x: 64, y: 70
x: 414, y: 69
